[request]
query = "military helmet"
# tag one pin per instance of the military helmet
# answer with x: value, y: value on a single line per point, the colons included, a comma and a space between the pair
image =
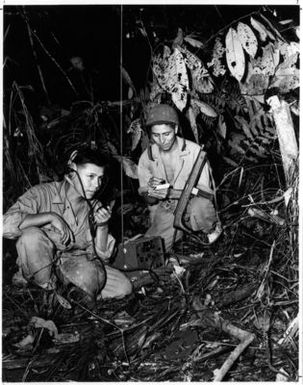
x: 161, y: 114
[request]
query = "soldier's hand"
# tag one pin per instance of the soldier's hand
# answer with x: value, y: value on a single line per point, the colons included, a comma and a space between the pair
x: 154, y: 182
x: 62, y: 227
x: 102, y: 214
x: 159, y: 194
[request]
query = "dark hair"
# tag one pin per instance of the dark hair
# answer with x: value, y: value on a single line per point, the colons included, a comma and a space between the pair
x: 83, y: 155
x: 88, y: 155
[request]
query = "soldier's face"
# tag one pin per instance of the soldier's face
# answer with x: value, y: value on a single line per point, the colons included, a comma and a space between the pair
x: 164, y: 135
x: 91, y: 177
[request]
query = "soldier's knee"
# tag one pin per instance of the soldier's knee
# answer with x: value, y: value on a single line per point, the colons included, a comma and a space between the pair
x: 30, y: 236
x: 199, y: 203
x: 127, y: 287
x: 124, y: 288
x: 201, y: 214
x: 201, y: 207
x: 117, y: 285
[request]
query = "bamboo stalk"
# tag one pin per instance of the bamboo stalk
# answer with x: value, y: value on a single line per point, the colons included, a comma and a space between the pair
x: 286, y: 135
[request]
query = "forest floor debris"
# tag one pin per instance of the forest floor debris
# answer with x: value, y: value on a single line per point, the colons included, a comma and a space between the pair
x: 173, y: 328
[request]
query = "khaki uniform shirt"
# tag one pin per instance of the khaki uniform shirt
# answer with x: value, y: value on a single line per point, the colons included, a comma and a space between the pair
x: 51, y: 197
x: 183, y: 165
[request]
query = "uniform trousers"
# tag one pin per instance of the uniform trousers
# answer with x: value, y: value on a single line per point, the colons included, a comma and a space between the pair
x: 200, y: 215
x: 40, y: 255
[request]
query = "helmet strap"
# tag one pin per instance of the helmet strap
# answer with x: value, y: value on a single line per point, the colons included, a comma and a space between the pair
x: 184, y: 142
x: 149, y: 152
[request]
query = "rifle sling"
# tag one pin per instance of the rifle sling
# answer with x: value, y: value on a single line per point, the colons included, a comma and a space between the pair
x: 176, y: 194
x: 187, y: 191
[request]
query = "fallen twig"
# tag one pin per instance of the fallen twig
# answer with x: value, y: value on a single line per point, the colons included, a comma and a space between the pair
x: 220, y: 373
x: 266, y: 271
x: 213, y: 319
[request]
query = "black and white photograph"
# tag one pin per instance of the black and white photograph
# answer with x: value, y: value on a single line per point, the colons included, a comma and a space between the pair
x: 150, y: 192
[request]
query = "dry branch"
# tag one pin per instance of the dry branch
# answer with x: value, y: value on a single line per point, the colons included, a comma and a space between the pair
x: 220, y: 373
x: 214, y: 320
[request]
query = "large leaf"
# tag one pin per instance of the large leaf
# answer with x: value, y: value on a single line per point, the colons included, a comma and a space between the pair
x: 248, y: 39
x: 172, y: 76
x: 136, y: 131
x: 112, y: 148
x: 259, y: 71
x: 204, y: 85
x: 235, y: 143
x: 127, y: 78
x: 179, y: 80
x: 63, y: 302
x: 234, y: 54
x: 155, y: 92
x: 222, y: 126
x: 205, y: 108
x: 242, y: 124
x: 255, y: 83
x: 272, y: 27
x: 178, y: 41
x: 263, y: 32
x: 192, y: 61
x: 130, y: 93
x: 216, y: 63
x: 130, y: 168
x: 38, y: 322
x: 160, y: 65
x: 201, y: 80
x: 275, y: 56
x: 195, y: 43
x: 166, y: 52
x: 286, y: 79
x: 260, y: 121
x: 288, y: 62
x: 266, y: 63
x: 288, y: 51
x: 287, y: 76
x: 193, y: 123
x: 258, y: 150
x: 287, y: 21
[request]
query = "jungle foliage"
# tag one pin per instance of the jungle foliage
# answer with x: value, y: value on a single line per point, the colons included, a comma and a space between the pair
x: 220, y: 79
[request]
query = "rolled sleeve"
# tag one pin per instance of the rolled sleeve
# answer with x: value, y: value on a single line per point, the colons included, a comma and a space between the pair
x: 105, y: 255
x: 11, y: 222
x: 28, y: 203
x: 144, y: 173
x: 204, y: 180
